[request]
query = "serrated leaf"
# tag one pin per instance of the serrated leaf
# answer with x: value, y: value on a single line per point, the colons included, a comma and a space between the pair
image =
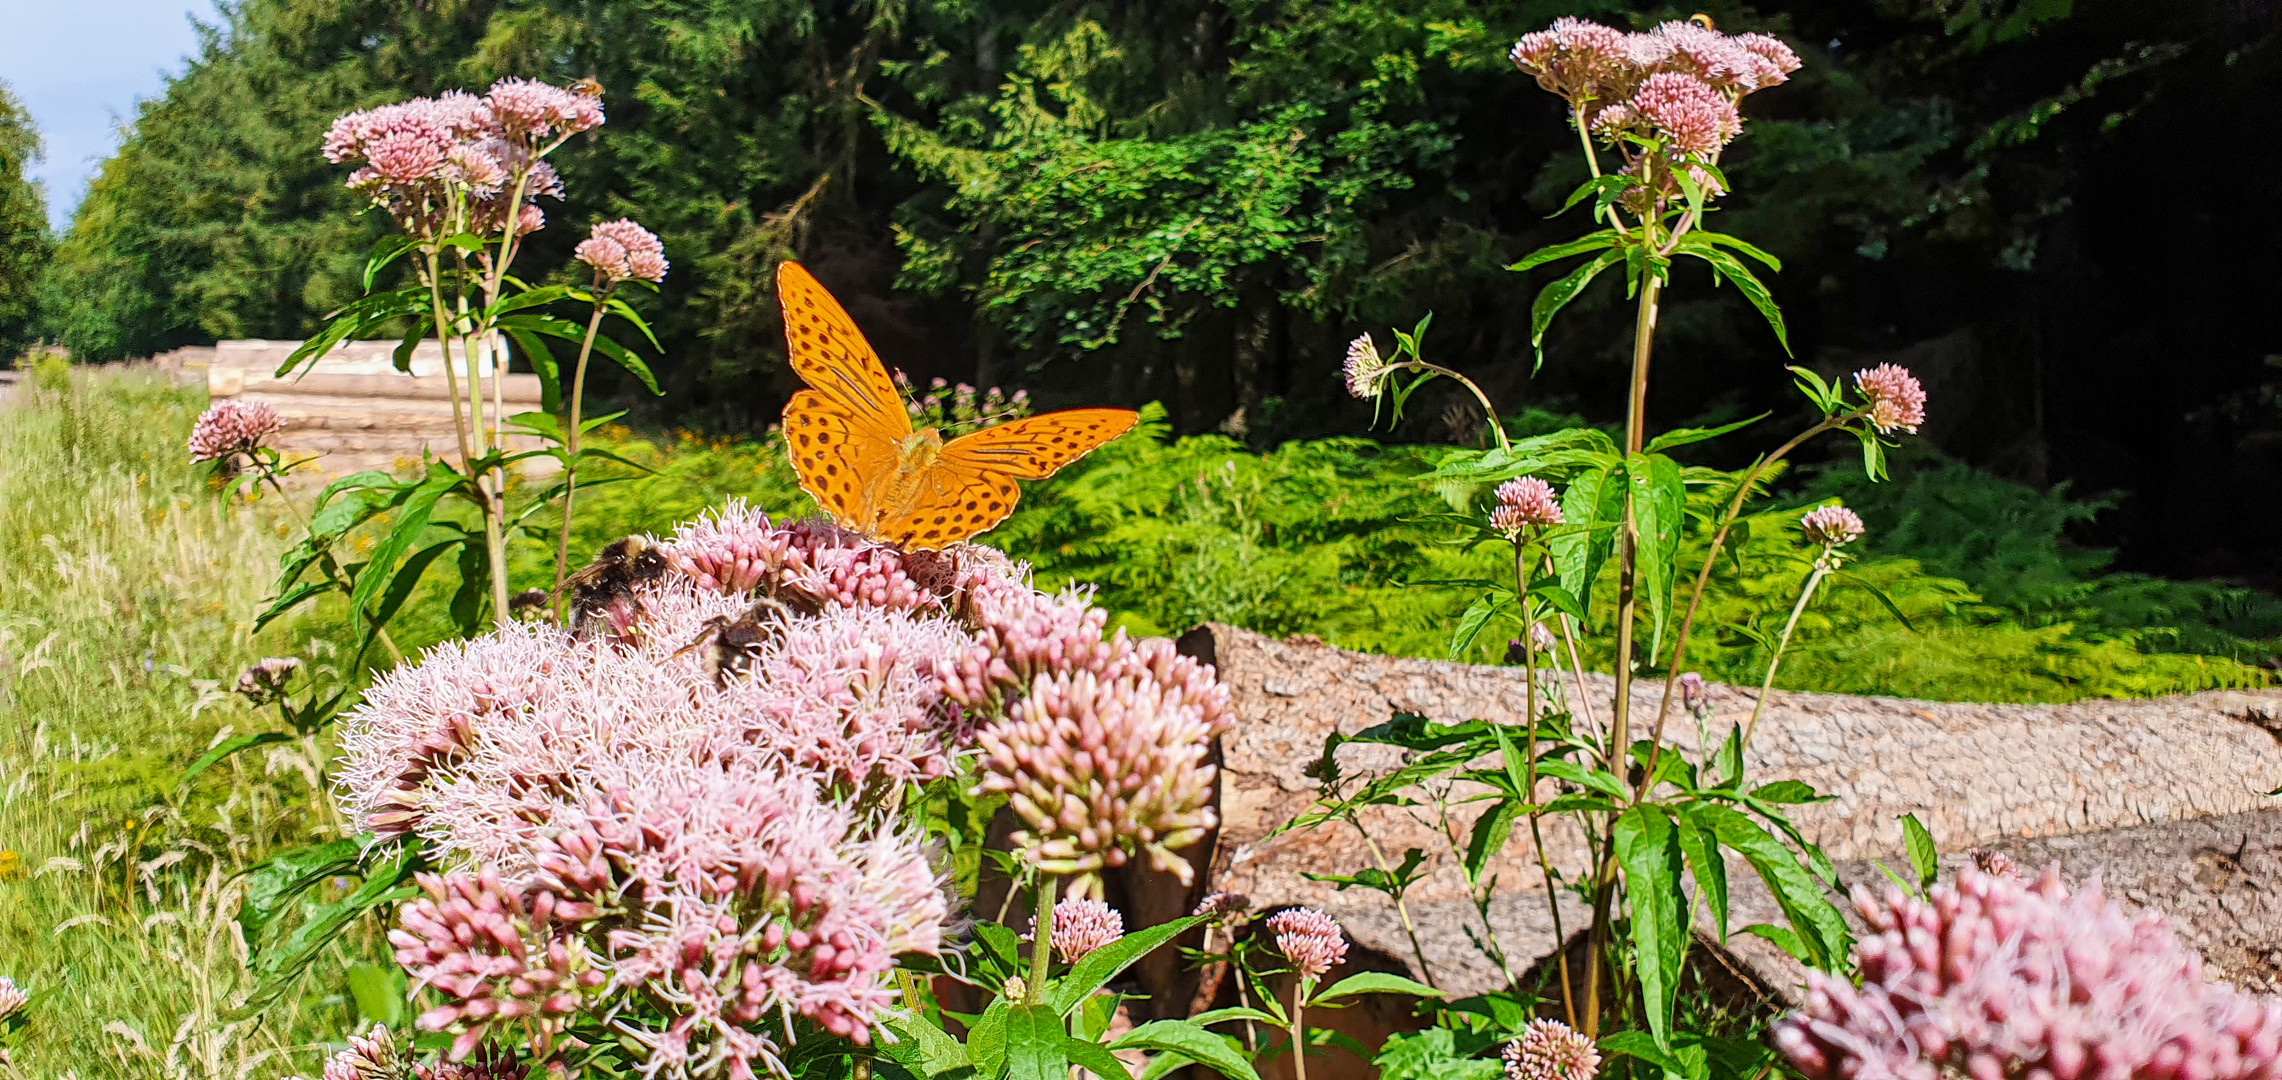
x: 1606, y: 238
x: 1648, y: 849
x: 1751, y: 287
x: 1594, y: 499
x: 229, y: 746
x: 1375, y: 982
x: 1678, y: 437
x: 1470, y: 624
x: 1660, y: 510
x: 1094, y: 970
x: 1188, y: 1039
x: 1707, y: 867
x: 1820, y: 928
x: 1552, y: 298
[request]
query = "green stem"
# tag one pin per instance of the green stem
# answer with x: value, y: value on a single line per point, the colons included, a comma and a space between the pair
x: 1766, y: 685
x: 1529, y: 786
x: 1299, y: 1043
x: 1488, y: 413
x: 1041, y: 938
x: 1627, y: 604
x: 1402, y: 910
x: 570, y: 437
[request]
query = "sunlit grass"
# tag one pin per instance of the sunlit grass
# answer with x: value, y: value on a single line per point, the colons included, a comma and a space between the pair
x: 127, y: 591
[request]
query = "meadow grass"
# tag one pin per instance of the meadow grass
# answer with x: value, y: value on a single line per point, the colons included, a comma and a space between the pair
x: 127, y: 591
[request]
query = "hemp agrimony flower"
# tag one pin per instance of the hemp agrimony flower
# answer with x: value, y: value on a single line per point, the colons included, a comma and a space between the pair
x: 1551, y: 1050
x: 1365, y: 368
x: 230, y: 427
x: 1831, y: 526
x: 623, y: 251
x: 1309, y: 939
x: 1525, y: 503
x: 1082, y: 925
x: 1897, y: 399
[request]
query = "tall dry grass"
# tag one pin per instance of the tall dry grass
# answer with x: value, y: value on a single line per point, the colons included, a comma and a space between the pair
x: 126, y: 598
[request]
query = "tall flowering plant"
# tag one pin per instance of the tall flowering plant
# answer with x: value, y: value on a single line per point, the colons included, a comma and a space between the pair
x: 1653, y: 111
x: 462, y: 178
x: 696, y: 834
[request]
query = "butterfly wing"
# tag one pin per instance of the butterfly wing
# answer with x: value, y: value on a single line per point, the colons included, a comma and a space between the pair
x: 950, y: 504
x: 970, y: 488
x: 832, y: 357
x: 839, y: 458
x: 1036, y: 447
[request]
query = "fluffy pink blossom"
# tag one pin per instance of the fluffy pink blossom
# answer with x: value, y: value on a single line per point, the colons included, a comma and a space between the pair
x: 527, y: 108
x: 1574, y: 58
x: 1081, y: 925
x: 1831, y: 526
x: 621, y: 250
x: 1895, y: 397
x: 12, y: 997
x: 1697, y: 119
x: 1710, y: 56
x: 1996, y: 977
x: 1221, y: 905
x: 1551, y: 1050
x: 1523, y: 503
x: 230, y: 427
x: 1309, y: 939
x: 1780, y: 61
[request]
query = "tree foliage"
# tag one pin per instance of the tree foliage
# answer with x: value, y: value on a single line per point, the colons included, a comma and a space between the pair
x: 23, y: 225
x: 1200, y: 201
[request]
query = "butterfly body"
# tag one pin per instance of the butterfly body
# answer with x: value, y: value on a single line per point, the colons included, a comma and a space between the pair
x: 856, y: 453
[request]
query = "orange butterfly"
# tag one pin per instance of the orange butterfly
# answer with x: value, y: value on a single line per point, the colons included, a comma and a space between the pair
x: 854, y: 449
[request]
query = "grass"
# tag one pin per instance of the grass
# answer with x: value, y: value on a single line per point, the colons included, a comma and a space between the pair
x: 126, y: 594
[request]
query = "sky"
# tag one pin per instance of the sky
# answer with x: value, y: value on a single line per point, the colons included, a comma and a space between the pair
x: 80, y: 66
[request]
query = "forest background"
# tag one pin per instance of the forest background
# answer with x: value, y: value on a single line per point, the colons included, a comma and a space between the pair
x: 2041, y: 207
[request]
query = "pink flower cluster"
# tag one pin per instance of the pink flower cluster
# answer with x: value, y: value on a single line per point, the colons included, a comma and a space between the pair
x: 1525, y: 503
x: 493, y: 958
x: 724, y: 842
x: 368, y: 1057
x: 1309, y: 939
x: 1997, y: 977
x: 456, y: 161
x: 1551, y: 1050
x: 1106, y: 742
x: 1081, y: 925
x: 1365, y: 369
x: 230, y: 427
x: 1666, y: 98
x: 1895, y: 397
x: 622, y: 251
x: 1831, y: 526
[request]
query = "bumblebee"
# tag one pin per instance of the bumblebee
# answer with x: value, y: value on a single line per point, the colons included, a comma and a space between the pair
x: 603, y: 600
x: 735, y: 642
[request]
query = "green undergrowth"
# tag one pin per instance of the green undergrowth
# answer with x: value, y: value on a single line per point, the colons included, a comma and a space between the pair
x: 126, y: 599
x: 1325, y: 538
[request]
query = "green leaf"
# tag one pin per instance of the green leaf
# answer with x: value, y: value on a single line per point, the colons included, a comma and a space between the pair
x: 1374, y: 982
x: 1678, y: 437
x: 1491, y: 831
x: 1094, y: 1059
x: 1660, y: 510
x: 1739, y: 245
x: 1705, y: 865
x: 378, y: 992
x: 1783, y: 939
x: 385, y: 251
x: 1606, y: 238
x: 278, y: 967
x: 543, y: 364
x: 1812, y: 385
x: 1188, y: 1039
x: 1035, y: 1044
x: 1648, y: 849
x: 987, y: 1039
x: 1595, y: 499
x: 620, y: 308
x: 1924, y: 857
x: 1231, y: 1014
x: 229, y: 746
x: 1872, y: 588
x: 1821, y: 929
x: 1750, y: 286
x: 410, y: 523
x: 274, y: 882
x: 288, y: 600
x: 1554, y: 297
x: 1476, y: 616
x: 407, y: 577
x: 1094, y: 970
x: 924, y: 1048
x: 1789, y: 793
x: 1730, y: 760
